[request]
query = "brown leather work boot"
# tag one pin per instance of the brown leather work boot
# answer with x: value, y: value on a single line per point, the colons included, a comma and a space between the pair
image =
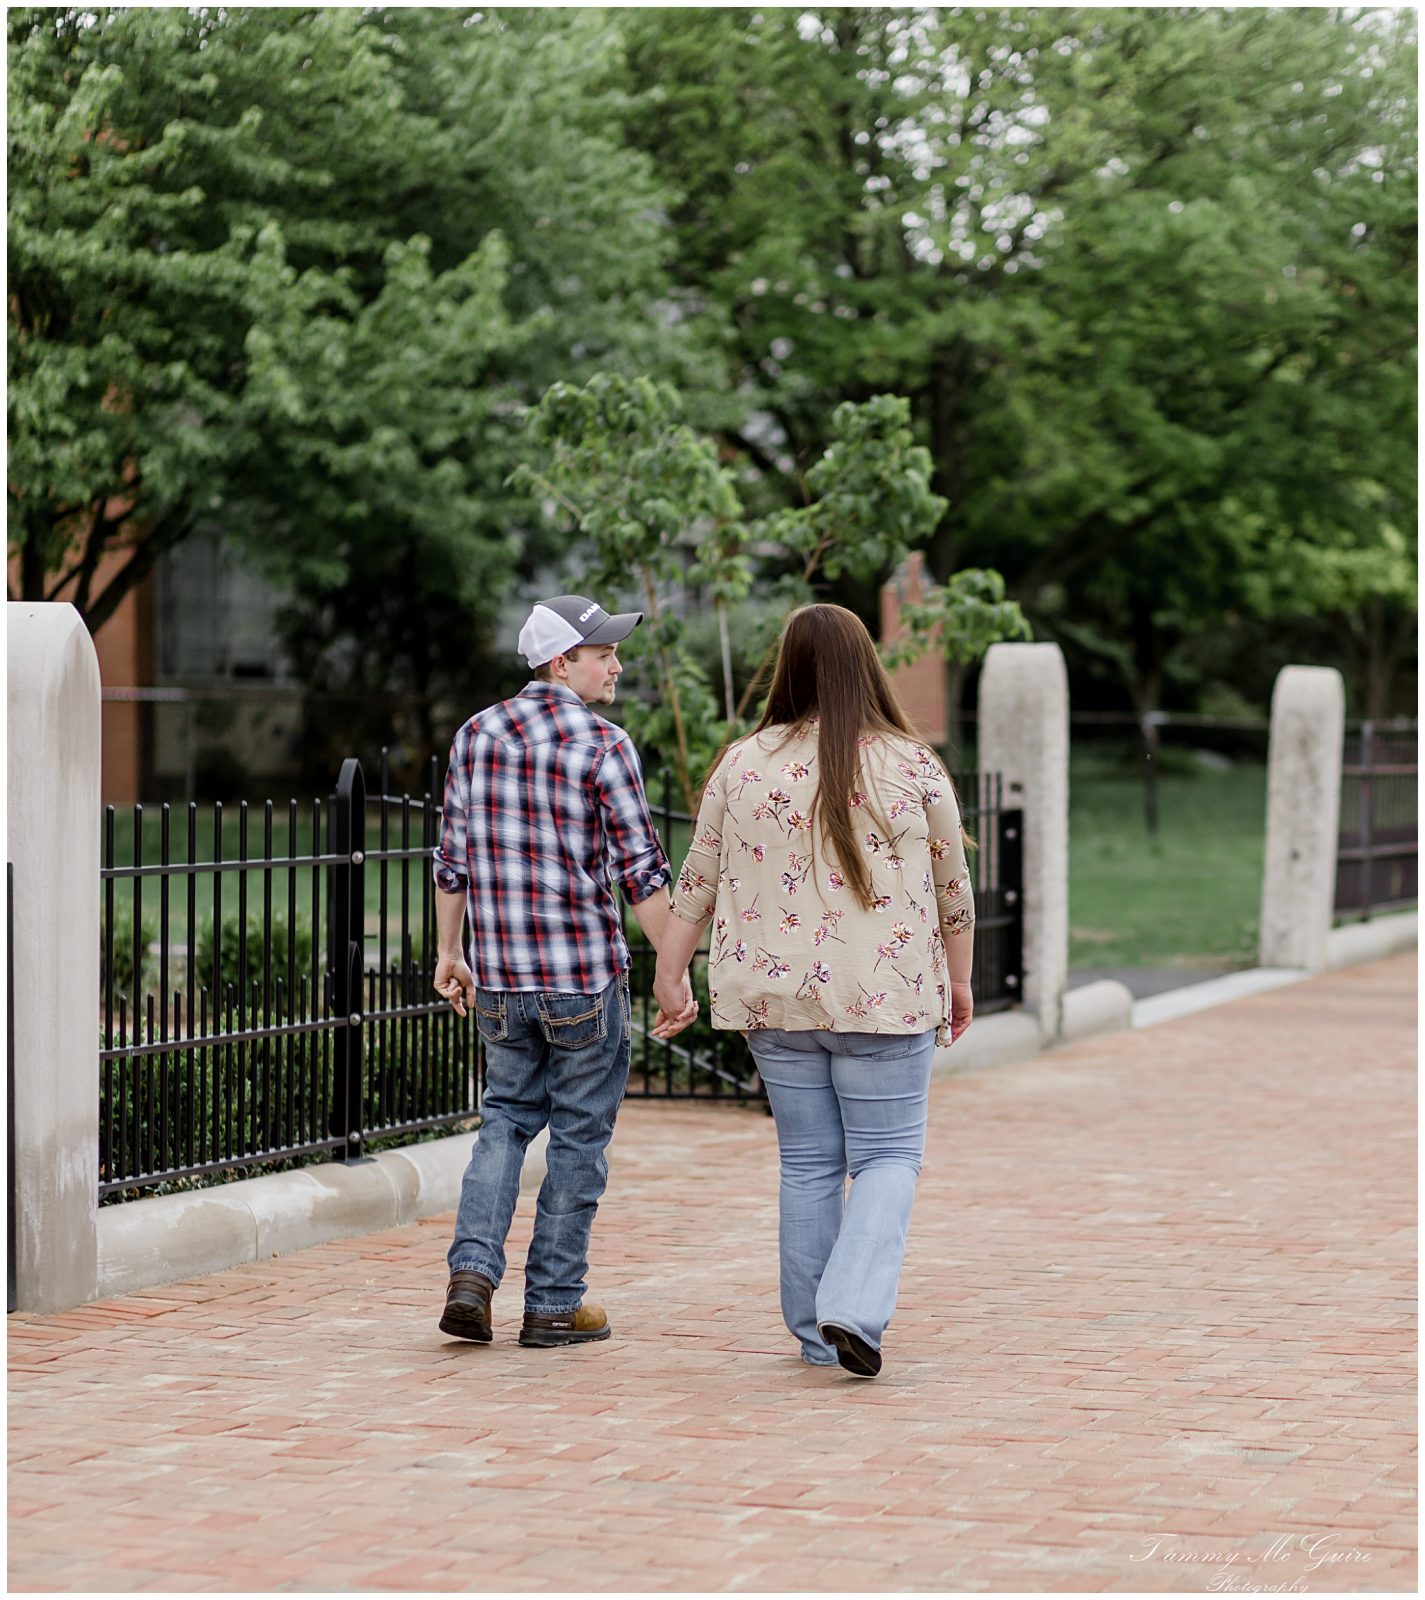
x: 584, y: 1326
x: 467, y: 1307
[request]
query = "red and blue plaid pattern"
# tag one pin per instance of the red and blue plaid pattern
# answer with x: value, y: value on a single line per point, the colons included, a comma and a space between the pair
x: 543, y: 801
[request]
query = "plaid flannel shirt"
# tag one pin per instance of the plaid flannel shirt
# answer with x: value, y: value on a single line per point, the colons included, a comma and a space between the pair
x: 542, y: 799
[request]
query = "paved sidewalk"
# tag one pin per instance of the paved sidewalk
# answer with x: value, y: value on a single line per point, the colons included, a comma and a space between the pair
x: 1156, y: 1325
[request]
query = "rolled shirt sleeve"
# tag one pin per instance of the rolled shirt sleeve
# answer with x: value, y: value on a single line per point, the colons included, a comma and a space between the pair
x: 696, y: 893
x: 450, y: 864
x: 636, y: 856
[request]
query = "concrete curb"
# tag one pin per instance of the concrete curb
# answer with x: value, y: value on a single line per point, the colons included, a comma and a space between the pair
x: 1370, y: 941
x: 993, y: 1041
x: 1101, y: 1007
x: 147, y: 1242
x: 1107, y: 1006
x: 1194, y: 997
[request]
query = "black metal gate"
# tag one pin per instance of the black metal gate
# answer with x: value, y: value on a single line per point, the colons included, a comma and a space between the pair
x: 1377, y: 858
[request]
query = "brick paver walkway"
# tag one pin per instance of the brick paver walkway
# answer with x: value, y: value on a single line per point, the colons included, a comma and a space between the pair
x: 1156, y: 1326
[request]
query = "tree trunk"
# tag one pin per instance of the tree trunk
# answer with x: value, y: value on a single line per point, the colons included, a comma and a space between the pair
x: 1386, y: 647
x: 163, y: 535
x: 725, y: 643
x: 954, y: 720
x: 1148, y: 728
x: 947, y: 443
x: 1146, y: 687
x: 32, y: 572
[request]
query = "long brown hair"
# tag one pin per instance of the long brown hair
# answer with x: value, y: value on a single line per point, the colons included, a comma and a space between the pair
x: 827, y: 666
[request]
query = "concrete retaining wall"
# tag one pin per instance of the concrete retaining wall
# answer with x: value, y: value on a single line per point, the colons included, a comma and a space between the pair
x: 147, y: 1242
x: 1356, y: 942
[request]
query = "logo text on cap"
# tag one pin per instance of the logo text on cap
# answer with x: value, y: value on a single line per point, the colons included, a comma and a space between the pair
x: 585, y: 615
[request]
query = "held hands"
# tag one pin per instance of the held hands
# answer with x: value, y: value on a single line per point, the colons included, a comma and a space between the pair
x: 676, y: 1006
x: 455, y: 982
x: 962, y: 1009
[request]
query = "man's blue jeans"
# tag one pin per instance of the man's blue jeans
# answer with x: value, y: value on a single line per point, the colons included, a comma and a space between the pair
x: 556, y: 1059
x: 844, y: 1103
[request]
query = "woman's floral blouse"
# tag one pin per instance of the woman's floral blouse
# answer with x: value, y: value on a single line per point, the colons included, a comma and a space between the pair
x: 791, y: 946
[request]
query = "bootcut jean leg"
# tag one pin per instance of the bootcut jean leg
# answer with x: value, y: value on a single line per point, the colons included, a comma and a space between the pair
x: 552, y: 1059
x: 812, y: 1191
x: 884, y: 1102
x: 844, y: 1103
x: 514, y: 1108
x: 589, y: 1053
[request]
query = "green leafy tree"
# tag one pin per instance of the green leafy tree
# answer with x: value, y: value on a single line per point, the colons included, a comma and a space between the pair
x: 1366, y: 584
x: 1146, y: 276
x: 656, y: 503
x: 289, y: 275
x: 191, y: 337
x: 615, y: 457
x: 960, y: 620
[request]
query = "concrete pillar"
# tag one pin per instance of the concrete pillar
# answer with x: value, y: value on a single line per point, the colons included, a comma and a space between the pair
x: 53, y: 793
x: 1024, y: 736
x: 1303, y: 817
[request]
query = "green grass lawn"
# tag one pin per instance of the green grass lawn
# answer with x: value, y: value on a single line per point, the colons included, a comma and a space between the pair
x: 1189, y: 897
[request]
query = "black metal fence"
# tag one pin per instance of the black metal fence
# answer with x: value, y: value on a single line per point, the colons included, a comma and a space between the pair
x: 266, y: 981
x: 241, y: 1021
x: 1377, y: 858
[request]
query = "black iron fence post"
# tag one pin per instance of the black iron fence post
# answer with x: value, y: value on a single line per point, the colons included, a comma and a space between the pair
x: 346, y: 955
x: 1010, y: 849
x: 1365, y: 816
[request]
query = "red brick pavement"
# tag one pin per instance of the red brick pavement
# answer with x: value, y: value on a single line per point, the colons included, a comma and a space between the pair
x: 1156, y: 1325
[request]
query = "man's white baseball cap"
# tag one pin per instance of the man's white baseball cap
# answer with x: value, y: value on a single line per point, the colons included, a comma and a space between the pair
x: 558, y: 625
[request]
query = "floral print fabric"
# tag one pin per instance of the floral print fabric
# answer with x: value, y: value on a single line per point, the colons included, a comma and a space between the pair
x: 791, y: 946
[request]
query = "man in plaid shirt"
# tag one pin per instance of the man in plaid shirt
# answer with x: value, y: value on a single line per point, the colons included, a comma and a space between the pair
x: 543, y: 802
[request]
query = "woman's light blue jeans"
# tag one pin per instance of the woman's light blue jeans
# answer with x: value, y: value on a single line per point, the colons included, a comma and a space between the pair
x: 844, y: 1103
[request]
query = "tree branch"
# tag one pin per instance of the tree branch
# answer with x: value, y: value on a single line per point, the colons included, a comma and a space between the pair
x: 99, y: 529
x: 754, y: 451
x: 162, y: 536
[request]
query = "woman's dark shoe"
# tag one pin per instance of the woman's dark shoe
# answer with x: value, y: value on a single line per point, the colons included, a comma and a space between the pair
x: 584, y: 1326
x: 852, y: 1351
x: 467, y: 1307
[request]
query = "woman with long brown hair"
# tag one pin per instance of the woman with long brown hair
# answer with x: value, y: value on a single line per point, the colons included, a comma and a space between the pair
x: 829, y: 857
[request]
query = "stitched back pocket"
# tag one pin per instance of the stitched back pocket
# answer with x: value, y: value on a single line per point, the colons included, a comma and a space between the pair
x: 491, y: 1017
x: 572, y: 1021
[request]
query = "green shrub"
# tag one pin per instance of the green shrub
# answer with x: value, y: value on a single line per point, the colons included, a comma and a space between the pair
x: 282, y: 947
x: 253, y: 1096
x: 123, y: 963
x: 239, y: 1099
